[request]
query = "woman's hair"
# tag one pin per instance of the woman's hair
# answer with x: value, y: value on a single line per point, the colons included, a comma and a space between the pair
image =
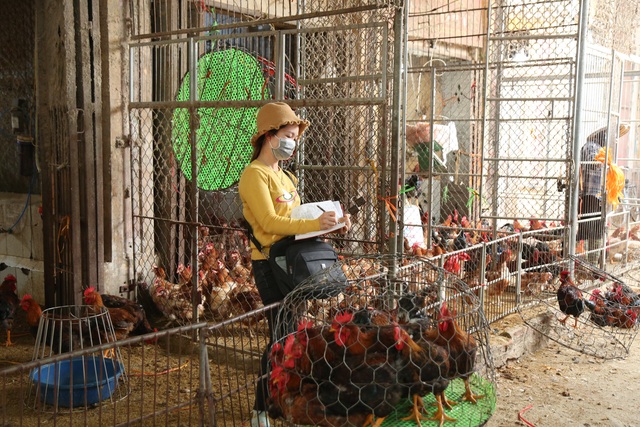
x: 260, y: 141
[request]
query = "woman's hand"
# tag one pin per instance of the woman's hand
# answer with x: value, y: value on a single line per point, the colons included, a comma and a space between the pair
x: 328, y: 220
x: 347, y: 220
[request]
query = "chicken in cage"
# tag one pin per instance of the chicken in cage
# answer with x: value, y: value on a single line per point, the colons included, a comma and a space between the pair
x: 399, y: 336
x: 596, y: 312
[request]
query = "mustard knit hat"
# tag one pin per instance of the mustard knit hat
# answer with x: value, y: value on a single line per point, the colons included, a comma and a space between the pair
x: 275, y: 115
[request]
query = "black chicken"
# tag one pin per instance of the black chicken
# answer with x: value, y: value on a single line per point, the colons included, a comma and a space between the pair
x: 570, y: 298
x: 8, y: 304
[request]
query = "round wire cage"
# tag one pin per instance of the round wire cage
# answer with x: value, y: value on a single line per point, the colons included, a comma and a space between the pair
x: 381, y: 337
x: 76, y: 382
x: 598, y: 315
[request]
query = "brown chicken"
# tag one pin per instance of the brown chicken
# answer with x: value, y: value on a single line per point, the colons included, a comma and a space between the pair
x: 142, y: 325
x: 606, y: 312
x: 62, y: 334
x: 124, y: 322
x: 174, y: 299
x: 9, y: 303
x: 462, y: 348
x: 434, y: 364
x: 344, y: 375
x: 498, y: 280
x: 533, y: 283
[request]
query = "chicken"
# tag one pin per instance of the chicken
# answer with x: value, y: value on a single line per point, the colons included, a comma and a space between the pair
x: 462, y: 348
x: 239, y: 272
x: 9, y: 302
x: 172, y: 299
x: 609, y: 312
x: 454, y: 263
x: 142, y: 325
x: 344, y: 375
x: 433, y: 365
x: 499, y: 279
x: 570, y: 298
x: 123, y: 321
x: 61, y: 335
x: 532, y: 283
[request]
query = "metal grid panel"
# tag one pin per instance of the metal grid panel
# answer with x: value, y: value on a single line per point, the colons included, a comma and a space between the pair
x: 532, y: 53
x: 177, y: 135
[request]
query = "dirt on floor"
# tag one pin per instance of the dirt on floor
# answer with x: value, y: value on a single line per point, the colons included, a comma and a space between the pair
x: 559, y: 386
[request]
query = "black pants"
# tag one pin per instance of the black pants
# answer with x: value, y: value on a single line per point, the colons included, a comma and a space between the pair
x: 269, y: 293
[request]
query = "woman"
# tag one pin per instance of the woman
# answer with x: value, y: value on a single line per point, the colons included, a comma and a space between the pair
x: 268, y: 196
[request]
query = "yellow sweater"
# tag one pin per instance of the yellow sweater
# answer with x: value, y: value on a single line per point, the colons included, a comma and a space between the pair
x: 267, y: 200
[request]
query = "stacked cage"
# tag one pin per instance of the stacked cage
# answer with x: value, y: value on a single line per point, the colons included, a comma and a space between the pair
x: 381, y: 338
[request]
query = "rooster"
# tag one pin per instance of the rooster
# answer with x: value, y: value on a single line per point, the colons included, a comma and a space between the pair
x: 461, y: 348
x: 609, y: 312
x: 124, y: 322
x: 142, y: 325
x: 9, y: 302
x: 570, y: 298
x: 434, y: 365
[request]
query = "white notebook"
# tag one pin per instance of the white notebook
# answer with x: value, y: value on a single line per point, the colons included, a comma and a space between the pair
x: 313, y: 211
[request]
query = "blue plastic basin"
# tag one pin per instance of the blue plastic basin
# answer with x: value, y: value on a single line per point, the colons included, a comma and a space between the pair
x: 81, y: 381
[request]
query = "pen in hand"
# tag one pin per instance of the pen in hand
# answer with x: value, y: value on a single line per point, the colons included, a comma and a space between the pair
x: 320, y: 207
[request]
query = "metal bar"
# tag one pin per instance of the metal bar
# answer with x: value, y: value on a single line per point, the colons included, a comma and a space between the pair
x: 554, y: 99
x: 329, y: 102
x: 395, y: 123
x: 359, y: 78
x: 244, y: 24
x: 279, y: 56
x: 194, y: 124
x: 577, y: 126
x: 528, y: 159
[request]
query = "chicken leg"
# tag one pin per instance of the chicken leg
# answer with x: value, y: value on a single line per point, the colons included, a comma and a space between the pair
x: 370, y: 421
x: 416, y: 411
x: 440, y: 415
x: 564, y: 321
x: 468, y: 394
x: 8, y: 343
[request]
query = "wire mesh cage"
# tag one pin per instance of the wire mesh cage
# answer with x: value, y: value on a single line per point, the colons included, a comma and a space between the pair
x: 369, y: 336
x: 81, y: 381
x: 591, y: 311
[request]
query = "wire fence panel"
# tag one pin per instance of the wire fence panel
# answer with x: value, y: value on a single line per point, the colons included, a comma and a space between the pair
x: 17, y: 88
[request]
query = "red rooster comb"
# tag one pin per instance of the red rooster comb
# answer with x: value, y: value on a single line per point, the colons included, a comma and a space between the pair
x: 344, y: 317
x: 89, y: 291
x: 25, y: 298
x: 10, y: 278
x: 564, y: 273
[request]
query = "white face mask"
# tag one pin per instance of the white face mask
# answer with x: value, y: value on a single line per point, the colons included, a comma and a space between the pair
x: 285, y: 149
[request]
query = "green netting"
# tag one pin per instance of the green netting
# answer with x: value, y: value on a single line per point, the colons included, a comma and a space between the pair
x: 466, y: 413
x: 223, y: 148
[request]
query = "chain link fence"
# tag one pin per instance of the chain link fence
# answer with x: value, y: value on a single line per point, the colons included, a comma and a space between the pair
x: 486, y: 128
x: 17, y: 89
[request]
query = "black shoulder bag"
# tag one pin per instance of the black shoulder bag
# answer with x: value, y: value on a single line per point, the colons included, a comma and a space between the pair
x: 292, y: 261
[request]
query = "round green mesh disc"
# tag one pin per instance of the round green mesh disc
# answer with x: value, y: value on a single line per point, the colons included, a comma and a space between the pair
x: 223, y: 138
